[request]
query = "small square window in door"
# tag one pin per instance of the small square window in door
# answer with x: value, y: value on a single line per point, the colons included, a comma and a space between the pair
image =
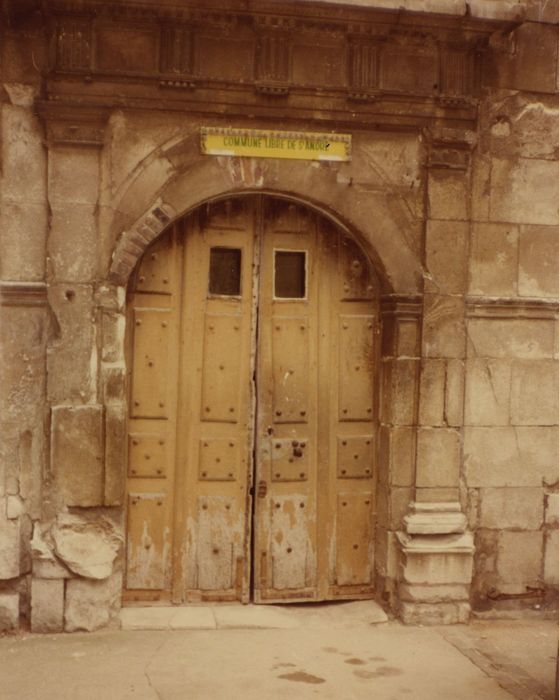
x: 225, y: 272
x: 290, y: 274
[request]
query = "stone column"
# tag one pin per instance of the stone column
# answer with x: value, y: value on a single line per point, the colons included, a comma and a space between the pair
x: 436, y: 548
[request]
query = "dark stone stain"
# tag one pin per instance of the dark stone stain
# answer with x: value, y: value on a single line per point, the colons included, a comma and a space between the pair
x: 330, y: 650
x: 377, y: 658
x: 286, y: 665
x: 302, y: 677
x: 355, y: 662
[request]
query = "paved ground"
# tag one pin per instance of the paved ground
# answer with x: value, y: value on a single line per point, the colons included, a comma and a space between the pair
x: 341, y: 652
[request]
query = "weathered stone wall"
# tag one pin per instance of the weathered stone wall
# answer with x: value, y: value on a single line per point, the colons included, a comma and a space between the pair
x: 463, y: 226
x: 511, y: 436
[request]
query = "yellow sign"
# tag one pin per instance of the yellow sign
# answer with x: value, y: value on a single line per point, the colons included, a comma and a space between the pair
x: 275, y: 144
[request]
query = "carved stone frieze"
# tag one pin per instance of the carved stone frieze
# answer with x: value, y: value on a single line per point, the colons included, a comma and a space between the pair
x: 372, y: 58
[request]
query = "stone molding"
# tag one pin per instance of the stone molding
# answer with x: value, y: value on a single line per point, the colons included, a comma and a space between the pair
x: 168, y: 47
x: 73, y: 126
x: 512, y: 308
x: 23, y: 293
x: 435, y: 519
x: 409, y: 307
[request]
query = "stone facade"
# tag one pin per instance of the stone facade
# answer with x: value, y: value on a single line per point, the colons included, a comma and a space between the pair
x: 451, y: 190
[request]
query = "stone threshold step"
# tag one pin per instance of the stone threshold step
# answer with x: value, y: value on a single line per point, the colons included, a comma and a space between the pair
x: 237, y: 616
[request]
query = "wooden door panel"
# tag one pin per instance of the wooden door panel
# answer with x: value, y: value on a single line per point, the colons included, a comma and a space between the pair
x: 215, y: 407
x: 150, y: 380
x: 219, y: 542
x: 148, y: 550
x: 222, y: 368
x: 355, y: 368
x: 292, y: 560
x: 353, y: 538
x: 356, y: 281
x: 356, y: 457
x: 290, y: 369
x: 148, y: 456
x: 219, y: 459
x: 153, y: 319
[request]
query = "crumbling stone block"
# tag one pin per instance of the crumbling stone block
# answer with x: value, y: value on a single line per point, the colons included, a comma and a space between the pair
x: 47, y: 605
x: 77, y: 453
x: 91, y: 605
x: 9, y: 612
x: 9, y: 545
x: 88, y: 548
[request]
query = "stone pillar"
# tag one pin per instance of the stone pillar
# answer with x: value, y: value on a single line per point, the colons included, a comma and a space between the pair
x: 401, y: 319
x: 23, y: 333
x: 436, y: 548
x: 83, y: 382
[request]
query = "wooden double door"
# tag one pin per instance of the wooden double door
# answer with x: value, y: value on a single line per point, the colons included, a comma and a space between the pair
x: 252, y: 440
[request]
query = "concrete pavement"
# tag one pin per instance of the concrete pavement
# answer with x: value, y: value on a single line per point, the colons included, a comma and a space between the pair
x: 331, y: 652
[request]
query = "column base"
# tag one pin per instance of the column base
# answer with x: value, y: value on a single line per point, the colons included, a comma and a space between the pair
x: 435, y: 578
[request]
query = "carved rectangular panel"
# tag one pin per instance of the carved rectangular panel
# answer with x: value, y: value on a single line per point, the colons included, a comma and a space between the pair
x: 456, y: 73
x: 356, y: 359
x: 151, y: 363
x: 272, y: 60
x: 355, y: 457
x: 221, y: 380
x: 289, y: 459
x: 316, y: 63
x: 127, y: 49
x: 414, y: 70
x: 148, y: 549
x: 177, y: 50
x: 291, y: 559
x: 218, y: 526
x: 353, y: 536
x: 355, y: 275
x: 290, y: 371
x: 221, y: 57
x: 147, y: 455
x: 73, y: 45
x: 218, y: 459
x: 363, y: 66
x: 154, y: 274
